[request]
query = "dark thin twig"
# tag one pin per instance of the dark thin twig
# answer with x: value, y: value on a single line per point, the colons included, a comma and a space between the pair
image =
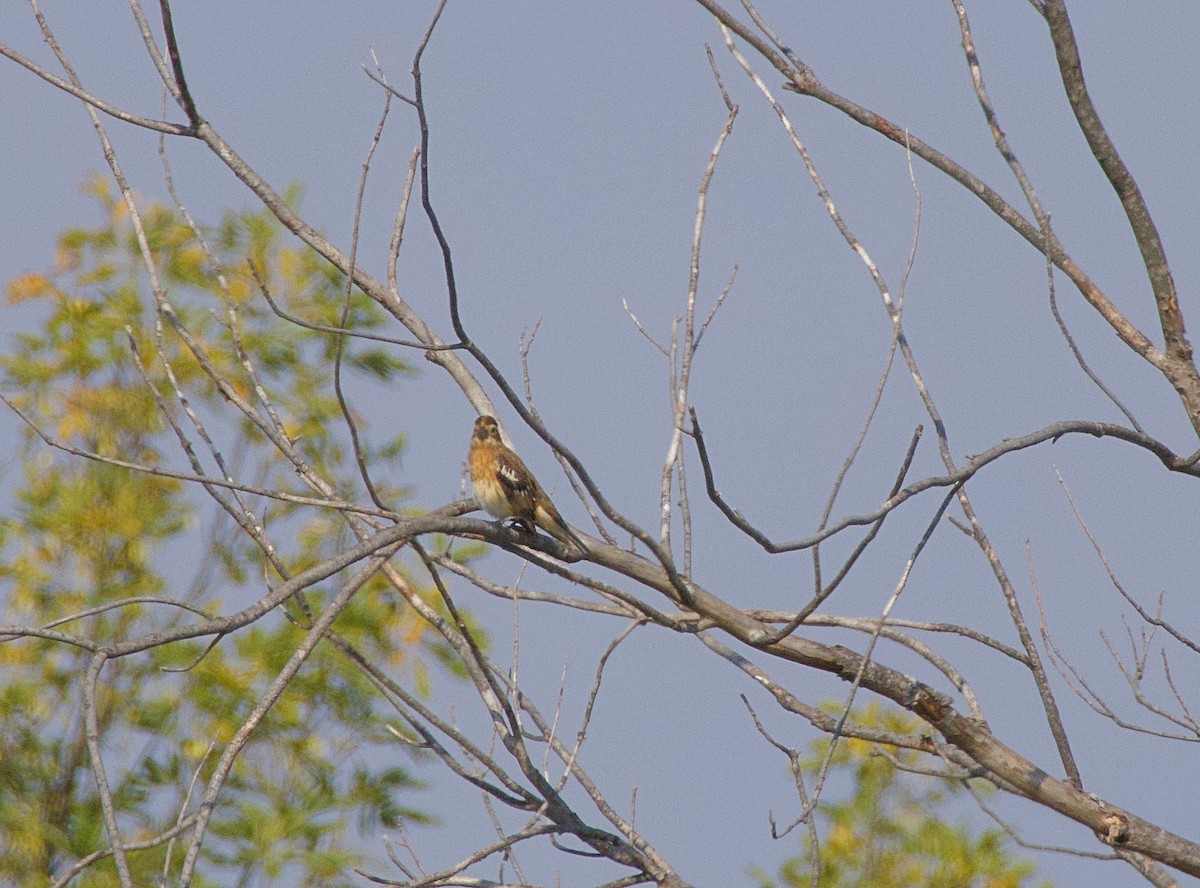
x: 975, y: 462
x: 678, y: 585
x: 822, y: 594
x: 184, y: 93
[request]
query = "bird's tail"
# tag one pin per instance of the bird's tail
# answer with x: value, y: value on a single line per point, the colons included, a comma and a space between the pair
x: 551, y: 522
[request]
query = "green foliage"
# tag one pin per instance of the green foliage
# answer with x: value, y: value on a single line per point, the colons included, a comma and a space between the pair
x: 895, y: 829
x: 88, y: 536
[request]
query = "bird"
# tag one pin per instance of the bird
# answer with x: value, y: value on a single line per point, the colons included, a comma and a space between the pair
x: 505, y: 488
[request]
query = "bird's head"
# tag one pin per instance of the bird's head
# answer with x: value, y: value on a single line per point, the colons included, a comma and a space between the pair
x: 486, y: 429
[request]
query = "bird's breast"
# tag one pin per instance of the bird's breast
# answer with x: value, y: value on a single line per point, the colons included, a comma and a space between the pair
x: 490, y: 495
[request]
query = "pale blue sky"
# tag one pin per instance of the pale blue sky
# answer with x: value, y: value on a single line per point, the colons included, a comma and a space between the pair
x: 568, y: 141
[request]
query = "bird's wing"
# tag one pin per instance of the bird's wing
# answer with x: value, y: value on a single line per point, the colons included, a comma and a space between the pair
x: 514, y: 477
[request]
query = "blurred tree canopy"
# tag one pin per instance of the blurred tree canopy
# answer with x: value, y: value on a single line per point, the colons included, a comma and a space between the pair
x: 896, y: 830
x: 107, y: 546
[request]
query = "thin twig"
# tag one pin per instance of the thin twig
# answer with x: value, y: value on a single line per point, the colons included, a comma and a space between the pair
x: 1146, y: 616
x: 797, y: 769
x: 360, y: 457
x: 276, y: 688
x: 91, y: 718
x: 683, y: 351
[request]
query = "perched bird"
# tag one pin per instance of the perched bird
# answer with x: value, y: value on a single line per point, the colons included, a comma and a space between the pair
x: 506, y: 489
